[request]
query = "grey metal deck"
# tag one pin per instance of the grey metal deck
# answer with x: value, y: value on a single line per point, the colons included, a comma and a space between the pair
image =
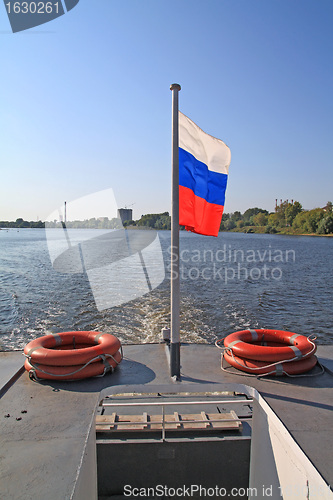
x: 45, y: 426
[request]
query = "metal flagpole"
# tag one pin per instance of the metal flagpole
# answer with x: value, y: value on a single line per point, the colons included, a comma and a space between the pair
x: 175, y: 279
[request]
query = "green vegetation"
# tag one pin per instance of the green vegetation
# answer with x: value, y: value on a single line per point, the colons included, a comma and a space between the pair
x: 22, y: 223
x: 288, y: 218
x: 156, y: 221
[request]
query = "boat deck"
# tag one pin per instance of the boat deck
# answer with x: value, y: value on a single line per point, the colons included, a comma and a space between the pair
x: 45, y: 425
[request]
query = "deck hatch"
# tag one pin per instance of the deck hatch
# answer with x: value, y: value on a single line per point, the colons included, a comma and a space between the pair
x: 175, y: 422
x: 138, y: 413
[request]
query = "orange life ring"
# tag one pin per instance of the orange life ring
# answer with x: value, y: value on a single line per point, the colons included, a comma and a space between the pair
x: 73, y: 372
x: 244, y: 344
x: 65, y: 348
x: 72, y: 355
x: 261, y: 367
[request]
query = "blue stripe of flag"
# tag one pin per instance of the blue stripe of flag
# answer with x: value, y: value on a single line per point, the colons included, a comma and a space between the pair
x: 205, y: 183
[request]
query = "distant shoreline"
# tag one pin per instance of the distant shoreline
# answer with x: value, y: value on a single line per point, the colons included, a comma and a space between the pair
x: 147, y: 228
x: 288, y: 219
x: 278, y: 233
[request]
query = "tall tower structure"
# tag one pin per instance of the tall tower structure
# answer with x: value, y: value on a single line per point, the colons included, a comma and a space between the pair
x: 125, y: 214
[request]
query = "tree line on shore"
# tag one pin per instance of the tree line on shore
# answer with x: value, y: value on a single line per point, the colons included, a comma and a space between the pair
x: 20, y: 223
x: 288, y: 218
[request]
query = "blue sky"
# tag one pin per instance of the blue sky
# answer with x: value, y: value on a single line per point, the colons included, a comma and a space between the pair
x: 86, y: 105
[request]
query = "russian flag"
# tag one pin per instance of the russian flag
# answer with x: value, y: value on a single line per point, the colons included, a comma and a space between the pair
x: 203, y: 173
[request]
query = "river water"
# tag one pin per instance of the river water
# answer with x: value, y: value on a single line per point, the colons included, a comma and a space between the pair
x: 229, y: 283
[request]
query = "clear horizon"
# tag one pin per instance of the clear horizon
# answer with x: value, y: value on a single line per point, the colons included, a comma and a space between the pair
x: 104, y: 216
x: 87, y: 106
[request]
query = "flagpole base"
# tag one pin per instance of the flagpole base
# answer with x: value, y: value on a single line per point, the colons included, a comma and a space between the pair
x: 175, y: 360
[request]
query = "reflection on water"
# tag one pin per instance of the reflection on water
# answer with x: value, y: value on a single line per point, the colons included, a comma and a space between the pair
x: 229, y: 283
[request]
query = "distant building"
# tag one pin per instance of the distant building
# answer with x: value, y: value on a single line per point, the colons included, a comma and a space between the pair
x: 125, y: 214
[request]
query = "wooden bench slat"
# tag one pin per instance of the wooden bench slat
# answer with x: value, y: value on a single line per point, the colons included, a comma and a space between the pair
x: 175, y: 421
